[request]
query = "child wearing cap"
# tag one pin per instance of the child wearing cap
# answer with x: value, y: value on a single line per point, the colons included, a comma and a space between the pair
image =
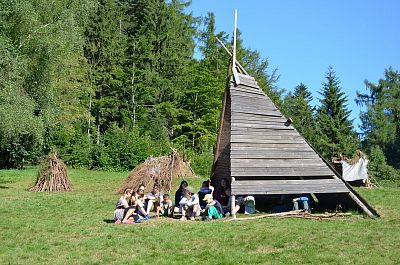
x: 213, y: 209
x: 190, y: 204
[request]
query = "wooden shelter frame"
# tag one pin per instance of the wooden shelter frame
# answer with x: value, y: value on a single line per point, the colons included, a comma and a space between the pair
x: 319, y: 178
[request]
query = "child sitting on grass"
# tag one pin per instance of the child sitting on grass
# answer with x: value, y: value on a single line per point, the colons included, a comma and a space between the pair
x: 213, y: 209
x: 122, y: 210
x: 189, y: 204
x: 165, y: 207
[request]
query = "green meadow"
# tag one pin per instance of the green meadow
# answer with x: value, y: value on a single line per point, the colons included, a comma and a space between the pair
x: 77, y: 228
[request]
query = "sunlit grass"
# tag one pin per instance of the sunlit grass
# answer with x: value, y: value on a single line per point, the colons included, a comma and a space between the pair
x: 76, y: 228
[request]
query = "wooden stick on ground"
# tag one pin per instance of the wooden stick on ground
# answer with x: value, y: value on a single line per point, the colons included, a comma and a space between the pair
x: 296, y: 214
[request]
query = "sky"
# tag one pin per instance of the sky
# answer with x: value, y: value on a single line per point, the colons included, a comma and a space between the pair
x: 358, y: 38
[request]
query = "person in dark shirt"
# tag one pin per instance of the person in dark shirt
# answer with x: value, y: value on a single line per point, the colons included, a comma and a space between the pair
x: 220, y: 195
x: 179, y: 193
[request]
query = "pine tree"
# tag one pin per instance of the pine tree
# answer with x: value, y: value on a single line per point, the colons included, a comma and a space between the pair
x: 198, y: 125
x: 334, y: 129
x: 104, y: 51
x: 297, y: 107
x: 381, y: 120
x: 161, y: 49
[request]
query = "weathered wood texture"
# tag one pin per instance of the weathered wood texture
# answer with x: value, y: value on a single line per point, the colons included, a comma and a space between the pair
x: 222, y: 166
x: 264, y: 154
x: 267, y: 187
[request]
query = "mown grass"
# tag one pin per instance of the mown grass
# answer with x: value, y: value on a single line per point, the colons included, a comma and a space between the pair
x: 76, y: 228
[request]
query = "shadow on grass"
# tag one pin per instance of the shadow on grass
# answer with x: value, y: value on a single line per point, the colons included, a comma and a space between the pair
x: 109, y: 221
x: 2, y: 182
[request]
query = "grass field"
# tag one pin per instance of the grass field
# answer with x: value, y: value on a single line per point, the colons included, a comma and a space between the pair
x: 76, y: 228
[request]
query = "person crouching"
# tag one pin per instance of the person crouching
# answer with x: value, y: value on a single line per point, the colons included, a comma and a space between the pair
x: 189, y: 204
x: 213, y: 209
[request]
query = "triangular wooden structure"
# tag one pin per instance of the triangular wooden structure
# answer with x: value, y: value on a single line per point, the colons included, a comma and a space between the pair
x: 261, y: 153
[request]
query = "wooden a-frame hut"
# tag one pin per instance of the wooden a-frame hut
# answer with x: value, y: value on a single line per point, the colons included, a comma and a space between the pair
x: 261, y: 153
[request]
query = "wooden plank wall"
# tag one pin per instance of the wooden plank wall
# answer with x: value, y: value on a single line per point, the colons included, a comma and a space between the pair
x: 264, y: 154
x: 269, y: 187
x: 222, y: 165
x: 264, y: 146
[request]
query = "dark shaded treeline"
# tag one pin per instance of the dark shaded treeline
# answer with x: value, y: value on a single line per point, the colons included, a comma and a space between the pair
x: 108, y: 83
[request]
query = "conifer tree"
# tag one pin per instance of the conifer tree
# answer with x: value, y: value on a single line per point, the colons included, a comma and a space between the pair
x: 381, y: 119
x: 104, y: 50
x: 297, y: 107
x: 334, y: 129
x: 161, y: 47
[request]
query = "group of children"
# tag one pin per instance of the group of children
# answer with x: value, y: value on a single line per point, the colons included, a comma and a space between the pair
x: 136, y: 206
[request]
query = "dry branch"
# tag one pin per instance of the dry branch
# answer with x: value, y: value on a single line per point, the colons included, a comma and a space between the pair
x: 297, y: 214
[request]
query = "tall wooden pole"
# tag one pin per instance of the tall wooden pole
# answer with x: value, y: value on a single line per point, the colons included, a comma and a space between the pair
x: 234, y: 42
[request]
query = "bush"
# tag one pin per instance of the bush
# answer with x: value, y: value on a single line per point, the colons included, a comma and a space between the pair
x: 21, y: 132
x: 379, y: 168
x: 201, y: 163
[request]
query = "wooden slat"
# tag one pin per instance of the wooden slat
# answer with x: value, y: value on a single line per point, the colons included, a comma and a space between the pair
x: 288, y: 186
x: 266, y: 155
x: 235, y: 120
x: 258, y: 112
x: 245, y: 105
x: 247, y: 77
x: 267, y: 136
x: 296, y: 187
x: 255, y: 117
x: 267, y: 141
x: 271, y: 148
x: 244, y: 127
x: 249, y: 96
x: 246, y: 87
x: 263, y: 162
x: 254, y: 93
x: 289, y: 146
x: 280, y: 172
x: 269, y: 132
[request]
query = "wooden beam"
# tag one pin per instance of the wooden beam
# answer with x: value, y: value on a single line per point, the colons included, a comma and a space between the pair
x: 230, y: 54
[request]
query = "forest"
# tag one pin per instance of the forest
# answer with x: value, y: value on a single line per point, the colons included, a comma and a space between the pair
x: 108, y: 83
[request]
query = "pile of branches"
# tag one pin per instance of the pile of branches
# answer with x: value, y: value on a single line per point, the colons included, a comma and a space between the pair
x: 52, y: 175
x: 158, y: 170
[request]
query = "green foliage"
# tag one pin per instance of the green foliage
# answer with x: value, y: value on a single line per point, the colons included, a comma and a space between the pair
x: 108, y: 83
x: 381, y: 119
x: 335, y: 132
x: 378, y: 167
x: 21, y: 132
x: 297, y: 107
x: 200, y: 162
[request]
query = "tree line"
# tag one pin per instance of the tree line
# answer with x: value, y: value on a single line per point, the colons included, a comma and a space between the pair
x: 108, y: 83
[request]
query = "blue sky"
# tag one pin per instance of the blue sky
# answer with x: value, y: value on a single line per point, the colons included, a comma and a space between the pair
x: 359, y: 39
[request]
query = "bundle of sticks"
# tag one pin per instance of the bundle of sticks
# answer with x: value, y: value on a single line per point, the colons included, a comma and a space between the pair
x: 52, y: 176
x: 158, y: 170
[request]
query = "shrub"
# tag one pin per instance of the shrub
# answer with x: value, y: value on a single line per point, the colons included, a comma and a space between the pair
x: 379, y: 168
